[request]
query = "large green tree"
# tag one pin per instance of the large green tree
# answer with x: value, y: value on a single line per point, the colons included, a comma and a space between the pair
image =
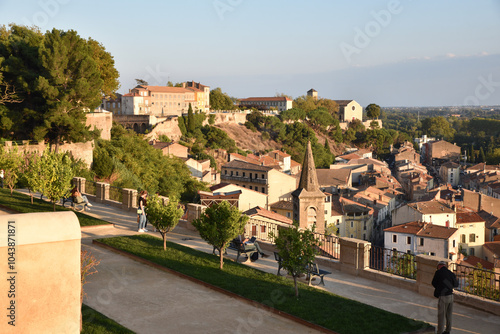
x: 220, y: 100
x: 438, y: 127
x: 373, y: 111
x: 220, y: 224
x: 59, y: 77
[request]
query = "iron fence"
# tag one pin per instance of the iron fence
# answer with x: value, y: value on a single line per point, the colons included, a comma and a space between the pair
x: 90, y: 187
x: 393, y: 262
x: 477, y: 281
x: 115, y: 194
x: 329, y: 247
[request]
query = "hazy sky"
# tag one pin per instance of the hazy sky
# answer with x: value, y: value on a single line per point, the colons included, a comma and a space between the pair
x: 393, y: 53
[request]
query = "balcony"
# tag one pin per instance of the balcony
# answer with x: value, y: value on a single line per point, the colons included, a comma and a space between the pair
x: 242, y: 179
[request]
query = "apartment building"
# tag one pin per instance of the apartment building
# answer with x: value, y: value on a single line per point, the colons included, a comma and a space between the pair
x: 264, y: 179
x: 471, y: 228
x: 423, y: 238
x: 428, y: 211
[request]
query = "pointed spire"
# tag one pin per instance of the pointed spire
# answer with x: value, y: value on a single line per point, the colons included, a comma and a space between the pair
x: 308, y: 177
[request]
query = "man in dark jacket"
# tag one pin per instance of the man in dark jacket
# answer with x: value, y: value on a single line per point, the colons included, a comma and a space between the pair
x: 443, y: 282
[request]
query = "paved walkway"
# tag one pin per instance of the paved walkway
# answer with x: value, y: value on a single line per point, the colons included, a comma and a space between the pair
x: 147, y: 300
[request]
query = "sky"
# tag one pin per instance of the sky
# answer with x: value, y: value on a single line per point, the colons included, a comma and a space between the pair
x: 391, y: 52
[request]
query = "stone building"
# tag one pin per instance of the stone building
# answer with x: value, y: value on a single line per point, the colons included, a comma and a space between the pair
x: 308, y: 200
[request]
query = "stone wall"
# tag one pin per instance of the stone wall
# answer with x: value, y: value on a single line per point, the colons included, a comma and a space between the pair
x: 477, y: 201
x: 42, y: 285
x: 102, y: 121
x: 83, y: 151
x: 228, y: 117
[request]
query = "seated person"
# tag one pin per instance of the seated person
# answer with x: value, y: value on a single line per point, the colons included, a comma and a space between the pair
x: 79, y: 198
x: 251, y: 244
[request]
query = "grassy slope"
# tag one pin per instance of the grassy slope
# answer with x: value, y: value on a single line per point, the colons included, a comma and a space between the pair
x: 21, y: 203
x: 97, y: 323
x: 314, y: 305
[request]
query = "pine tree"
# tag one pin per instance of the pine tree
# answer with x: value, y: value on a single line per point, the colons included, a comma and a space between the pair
x: 190, y: 121
x: 482, y: 156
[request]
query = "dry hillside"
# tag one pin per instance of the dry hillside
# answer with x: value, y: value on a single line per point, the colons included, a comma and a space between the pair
x: 246, y: 139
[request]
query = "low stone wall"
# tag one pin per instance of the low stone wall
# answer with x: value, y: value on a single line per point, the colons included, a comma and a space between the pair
x: 42, y: 285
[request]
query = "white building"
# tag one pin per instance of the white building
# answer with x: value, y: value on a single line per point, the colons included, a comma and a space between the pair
x: 450, y: 173
x: 430, y: 212
x: 423, y: 238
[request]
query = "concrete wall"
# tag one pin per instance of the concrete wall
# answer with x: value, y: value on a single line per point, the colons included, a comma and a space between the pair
x: 45, y: 274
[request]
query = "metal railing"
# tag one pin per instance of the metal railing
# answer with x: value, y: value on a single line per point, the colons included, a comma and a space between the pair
x: 477, y: 281
x: 115, y: 194
x: 90, y: 187
x: 393, y: 262
x: 330, y: 245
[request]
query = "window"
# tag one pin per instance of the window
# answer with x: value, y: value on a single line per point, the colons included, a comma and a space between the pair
x: 352, y: 236
x: 471, y: 251
x: 243, y: 174
x: 433, y: 254
x: 394, y: 238
x: 263, y: 229
x: 364, y: 236
x: 463, y: 238
x: 421, y: 241
x: 263, y: 176
x: 225, y: 172
x: 237, y: 173
x: 256, y: 175
x: 251, y: 187
x: 352, y: 224
x: 288, y: 214
x: 472, y: 237
x: 454, y: 243
x: 326, y: 212
x: 408, y: 240
x: 263, y: 190
x: 231, y: 173
x: 364, y: 226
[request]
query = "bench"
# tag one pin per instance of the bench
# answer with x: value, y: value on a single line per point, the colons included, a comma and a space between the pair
x: 313, y: 270
x: 75, y: 206
x: 278, y: 258
x: 237, y: 246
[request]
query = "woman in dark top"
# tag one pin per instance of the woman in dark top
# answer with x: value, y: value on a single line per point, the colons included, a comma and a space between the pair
x: 142, y: 211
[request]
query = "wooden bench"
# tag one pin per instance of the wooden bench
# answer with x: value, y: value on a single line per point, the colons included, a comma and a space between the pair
x: 237, y: 246
x: 313, y: 270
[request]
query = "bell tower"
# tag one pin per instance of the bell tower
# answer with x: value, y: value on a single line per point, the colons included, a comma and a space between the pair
x: 308, y: 200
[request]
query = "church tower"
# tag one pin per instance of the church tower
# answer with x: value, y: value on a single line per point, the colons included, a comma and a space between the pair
x: 308, y: 199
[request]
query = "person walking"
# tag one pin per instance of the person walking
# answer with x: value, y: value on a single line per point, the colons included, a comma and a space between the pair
x: 141, y: 211
x: 443, y: 282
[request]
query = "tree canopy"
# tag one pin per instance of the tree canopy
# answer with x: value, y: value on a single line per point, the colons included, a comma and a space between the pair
x: 373, y: 111
x: 58, y: 76
x: 220, y: 100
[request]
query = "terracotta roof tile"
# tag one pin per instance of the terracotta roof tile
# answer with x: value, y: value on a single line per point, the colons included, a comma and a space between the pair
x: 469, y: 217
x: 258, y: 211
